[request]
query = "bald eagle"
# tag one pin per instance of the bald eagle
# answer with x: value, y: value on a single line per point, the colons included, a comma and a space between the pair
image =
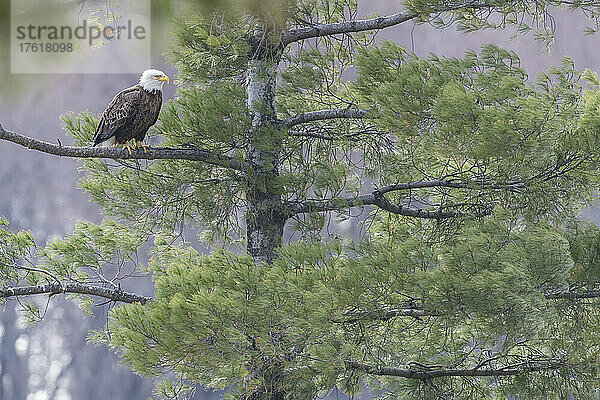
x: 132, y: 112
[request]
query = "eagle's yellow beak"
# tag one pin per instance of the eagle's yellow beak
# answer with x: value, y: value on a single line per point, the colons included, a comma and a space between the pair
x: 164, y: 78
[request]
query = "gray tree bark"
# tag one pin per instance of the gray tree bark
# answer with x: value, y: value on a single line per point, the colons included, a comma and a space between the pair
x: 265, y: 217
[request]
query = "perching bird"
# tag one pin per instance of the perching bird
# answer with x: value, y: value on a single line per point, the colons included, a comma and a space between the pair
x: 132, y: 112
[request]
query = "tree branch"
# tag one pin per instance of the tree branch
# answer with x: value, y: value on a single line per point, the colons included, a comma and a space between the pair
x: 425, y: 375
x: 320, y: 30
x: 417, y: 311
x: 157, y: 153
x: 78, y: 288
x: 376, y: 199
x: 323, y: 115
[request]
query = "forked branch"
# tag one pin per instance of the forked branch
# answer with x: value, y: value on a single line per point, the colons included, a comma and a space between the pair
x: 155, y: 153
x: 427, y: 374
x: 377, y: 199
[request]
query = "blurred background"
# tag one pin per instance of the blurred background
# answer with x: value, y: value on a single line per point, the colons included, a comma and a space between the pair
x: 39, y: 191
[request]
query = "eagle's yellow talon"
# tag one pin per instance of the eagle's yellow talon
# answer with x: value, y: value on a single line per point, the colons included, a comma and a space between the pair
x: 128, y: 147
x: 140, y: 145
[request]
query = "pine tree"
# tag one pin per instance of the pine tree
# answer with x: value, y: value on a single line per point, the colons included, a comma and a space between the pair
x: 473, y: 278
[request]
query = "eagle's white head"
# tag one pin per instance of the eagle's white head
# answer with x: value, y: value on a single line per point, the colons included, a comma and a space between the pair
x: 153, y: 80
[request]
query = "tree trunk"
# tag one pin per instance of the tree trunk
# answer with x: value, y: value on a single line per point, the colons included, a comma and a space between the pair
x: 264, y: 216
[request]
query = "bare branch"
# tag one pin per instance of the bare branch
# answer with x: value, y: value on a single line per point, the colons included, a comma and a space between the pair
x: 417, y: 311
x: 320, y: 30
x: 376, y: 199
x: 399, y: 209
x: 41, y: 271
x: 77, y: 288
x: 323, y: 115
x: 425, y: 375
x: 156, y: 153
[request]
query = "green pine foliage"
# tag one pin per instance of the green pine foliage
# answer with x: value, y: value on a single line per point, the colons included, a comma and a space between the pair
x: 215, y: 315
x: 479, y: 119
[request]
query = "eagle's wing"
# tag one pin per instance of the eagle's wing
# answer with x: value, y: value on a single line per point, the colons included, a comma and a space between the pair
x: 120, y: 112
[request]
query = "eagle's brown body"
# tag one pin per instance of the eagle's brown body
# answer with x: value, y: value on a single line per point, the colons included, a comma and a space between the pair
x: 129, y: 115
